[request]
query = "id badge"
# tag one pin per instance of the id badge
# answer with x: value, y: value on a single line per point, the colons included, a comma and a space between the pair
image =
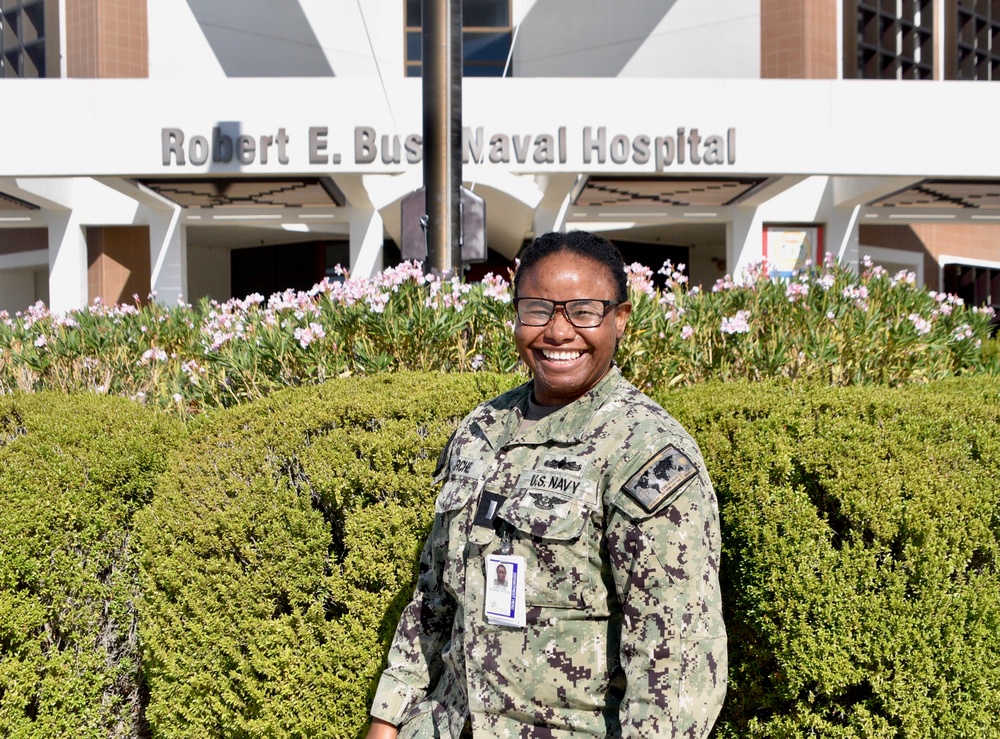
x: 505, y: 590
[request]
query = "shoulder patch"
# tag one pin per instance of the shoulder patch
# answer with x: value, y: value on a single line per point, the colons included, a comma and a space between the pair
x: 660, y: 476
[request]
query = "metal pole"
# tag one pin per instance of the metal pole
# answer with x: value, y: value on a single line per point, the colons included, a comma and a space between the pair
x: 442, y: 96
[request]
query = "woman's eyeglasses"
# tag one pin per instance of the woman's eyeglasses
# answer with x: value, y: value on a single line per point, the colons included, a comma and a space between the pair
x: 585, y: 313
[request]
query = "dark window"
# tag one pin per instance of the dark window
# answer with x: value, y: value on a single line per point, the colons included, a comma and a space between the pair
x: 486, y: 37
x: 485, y: 53
x: 271, y: 269
x: 891, y: 39
x: 486, y: 13
x: 977, y: 286
x: 976, y: 40
x: 653, y: 256
x: 22, y: 38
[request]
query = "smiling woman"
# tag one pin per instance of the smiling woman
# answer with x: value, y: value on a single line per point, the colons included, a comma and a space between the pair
x: 598, y: 505
x: 572, y: 349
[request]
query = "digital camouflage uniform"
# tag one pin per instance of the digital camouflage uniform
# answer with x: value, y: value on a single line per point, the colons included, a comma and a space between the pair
x: 609, y: 502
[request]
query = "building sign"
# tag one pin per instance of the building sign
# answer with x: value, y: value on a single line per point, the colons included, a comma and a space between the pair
x: 593, y: 145
x: 790, y: 248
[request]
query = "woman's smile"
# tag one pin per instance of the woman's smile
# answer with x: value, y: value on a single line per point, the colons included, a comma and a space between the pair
x: 567, y: 361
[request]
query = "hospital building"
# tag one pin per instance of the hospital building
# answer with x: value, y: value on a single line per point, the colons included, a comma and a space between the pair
x: 193, y: 148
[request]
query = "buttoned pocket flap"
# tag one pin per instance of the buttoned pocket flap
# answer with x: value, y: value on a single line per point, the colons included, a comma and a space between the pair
x: 545, y: 516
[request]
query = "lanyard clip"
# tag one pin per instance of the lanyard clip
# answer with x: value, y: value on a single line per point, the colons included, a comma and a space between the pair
x: 506, y: 545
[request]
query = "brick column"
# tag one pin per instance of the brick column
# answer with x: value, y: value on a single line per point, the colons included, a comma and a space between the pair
x: 798, y: 39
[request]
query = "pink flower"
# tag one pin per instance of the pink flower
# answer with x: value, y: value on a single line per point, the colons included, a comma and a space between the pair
x: 723, y: 283
x: 304, y: 336
x: 674, y: 276
x: 858, y: 294
x: 153, y: 355
x: 738, y: 324
x: 687, y: 332
x: 922, y: 325
x: 962, y: 332
x: 640, y: 278
x: 496, y: 287
x: 796, y: 291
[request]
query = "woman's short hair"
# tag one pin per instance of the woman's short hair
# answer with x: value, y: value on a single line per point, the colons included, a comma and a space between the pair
x: 581, y: 243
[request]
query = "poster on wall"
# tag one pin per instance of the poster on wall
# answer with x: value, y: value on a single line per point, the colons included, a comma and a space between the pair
x: 789, y: 248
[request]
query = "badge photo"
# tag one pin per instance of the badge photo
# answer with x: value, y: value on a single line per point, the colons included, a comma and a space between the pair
x: 505, y: 590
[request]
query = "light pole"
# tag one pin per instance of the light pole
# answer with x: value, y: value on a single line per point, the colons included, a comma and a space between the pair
x: 441, y: 64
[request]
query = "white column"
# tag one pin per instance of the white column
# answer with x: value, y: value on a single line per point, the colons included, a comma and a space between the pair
x: 67, y: 261
x: 167, y: 256
x: 842, y: 235
x: 550, y: 215
x: 744, y: 239
x: 366, y: 242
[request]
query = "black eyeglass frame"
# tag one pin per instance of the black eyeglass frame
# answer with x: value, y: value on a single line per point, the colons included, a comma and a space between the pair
x: 609, y: 305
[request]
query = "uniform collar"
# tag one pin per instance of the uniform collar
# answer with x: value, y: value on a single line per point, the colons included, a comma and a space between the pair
x: 567, y: 425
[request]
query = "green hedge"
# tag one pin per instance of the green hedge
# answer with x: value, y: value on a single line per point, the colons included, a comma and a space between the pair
x: 861, y: 532
x: 281, y: 548
x: 75, y: 470
x: 860, y: 525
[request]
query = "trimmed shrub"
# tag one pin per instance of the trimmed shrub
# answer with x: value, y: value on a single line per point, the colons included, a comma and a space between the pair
x: 75, y: 470
x: 280, y: 549
x: 861, y: 533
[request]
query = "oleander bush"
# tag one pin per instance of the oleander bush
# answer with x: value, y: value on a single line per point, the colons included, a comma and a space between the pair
x: 860, y: 531
x: 280, y: 549
x: 74, y: 471
x: 826, y: 324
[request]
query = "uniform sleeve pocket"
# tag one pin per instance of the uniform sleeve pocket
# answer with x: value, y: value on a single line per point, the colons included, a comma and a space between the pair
x: 455, y: 494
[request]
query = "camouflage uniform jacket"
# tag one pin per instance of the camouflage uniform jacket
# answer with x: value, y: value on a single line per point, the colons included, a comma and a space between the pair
x: 609, y: 502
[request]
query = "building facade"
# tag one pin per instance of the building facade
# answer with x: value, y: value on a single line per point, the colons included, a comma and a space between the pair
x: 223, y: 147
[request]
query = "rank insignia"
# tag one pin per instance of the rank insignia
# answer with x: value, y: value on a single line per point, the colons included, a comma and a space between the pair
x: 661, y: 476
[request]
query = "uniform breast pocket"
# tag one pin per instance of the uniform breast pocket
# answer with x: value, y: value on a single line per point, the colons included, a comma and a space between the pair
x: 561, y: 548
